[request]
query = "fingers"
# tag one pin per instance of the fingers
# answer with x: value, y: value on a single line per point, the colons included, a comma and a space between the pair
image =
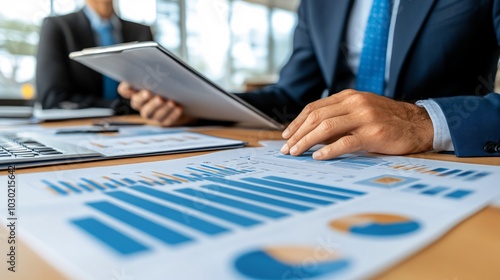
x: 302, y: 117
x: 335, y: 120
x: 332, y: 128
x: 345, y: 145
x: 165, y: 112
x: 126, y: 90
x: 140, y: 98
x: 169, y: 114
x: 322, y: 118
x: 151, y: 105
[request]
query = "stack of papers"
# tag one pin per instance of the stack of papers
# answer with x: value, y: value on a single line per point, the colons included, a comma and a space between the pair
x: 127, y: 142
x: 249, y: 213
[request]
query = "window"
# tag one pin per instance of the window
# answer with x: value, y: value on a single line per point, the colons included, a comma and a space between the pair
x: 19, y: 24
x: 226, y: 40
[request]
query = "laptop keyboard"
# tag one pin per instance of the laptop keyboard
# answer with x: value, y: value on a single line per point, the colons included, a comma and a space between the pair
x: 12, y: 146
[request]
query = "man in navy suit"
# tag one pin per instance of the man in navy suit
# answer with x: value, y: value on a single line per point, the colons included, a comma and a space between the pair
x: 62, y: 82
x: 441, y: 53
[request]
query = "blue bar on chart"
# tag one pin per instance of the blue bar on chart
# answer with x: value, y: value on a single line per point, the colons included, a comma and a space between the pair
x: 199, y: 206
x: 435, y: 190
x: 183, y: 218
x: 314, y: 185
x: 459, y: 194
x: 114, y: 181
x: 83, y: 186
x: 128, y: 181
x: 257, y: 198
x: 113, y: 238
x: 303, y: 157
x: 465, y: 173
x: 188, y: 178
x: 359, y: 162
x: 418, y: 187
x: 153, y: 181
x: 478, y: 176
x: 110, y: 186
x: 93, y: 184
x: 439, y: 170
x: 220, y: 170
x: 145, y: 183
x: 262, y: 211
x: 242, y: 171
x: 263, y: 190
x: 169, y: 181
x: 455, y: 171
x: 55, y: 188
x: 296, y: 189
x: 197, y: 175
x: 208, y: 173
x: 70, y: 186
x: 147, y: 226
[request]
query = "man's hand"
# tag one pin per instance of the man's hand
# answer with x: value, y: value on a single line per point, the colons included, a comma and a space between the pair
x: 151, y: 107
x: 352, y: 121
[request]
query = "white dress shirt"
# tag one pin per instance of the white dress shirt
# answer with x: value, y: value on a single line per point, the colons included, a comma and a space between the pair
x: 96, y: 22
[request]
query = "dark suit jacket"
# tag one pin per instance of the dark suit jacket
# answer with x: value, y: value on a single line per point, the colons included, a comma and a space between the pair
x: 61, y: 79
x: 442, y: 48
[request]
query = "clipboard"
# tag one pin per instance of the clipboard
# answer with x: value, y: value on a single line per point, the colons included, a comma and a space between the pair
x: 150, y: 66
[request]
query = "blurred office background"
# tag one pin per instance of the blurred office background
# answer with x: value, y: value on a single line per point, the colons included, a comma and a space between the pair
x: 233, y: 42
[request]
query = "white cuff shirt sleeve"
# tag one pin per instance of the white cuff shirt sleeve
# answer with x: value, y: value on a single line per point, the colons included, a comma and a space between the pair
x: 442, y: 136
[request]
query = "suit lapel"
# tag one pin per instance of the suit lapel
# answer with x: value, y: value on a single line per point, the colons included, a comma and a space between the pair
x: 85, y: 30
x: 411, y: 16
x: 333, y: 16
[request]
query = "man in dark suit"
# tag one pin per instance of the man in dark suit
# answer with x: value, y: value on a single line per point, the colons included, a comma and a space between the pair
x: 442, y: 53
x: 63, y: 83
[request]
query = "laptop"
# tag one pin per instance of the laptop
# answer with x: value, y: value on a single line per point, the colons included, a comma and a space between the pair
x: 18, y: 149
x: 148, y: 65
x: 16, y: 108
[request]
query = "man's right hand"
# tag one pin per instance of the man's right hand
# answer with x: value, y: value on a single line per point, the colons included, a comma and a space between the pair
x: 153, y: 107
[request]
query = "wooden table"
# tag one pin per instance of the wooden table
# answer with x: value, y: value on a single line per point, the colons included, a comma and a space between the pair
x: 469, y: 251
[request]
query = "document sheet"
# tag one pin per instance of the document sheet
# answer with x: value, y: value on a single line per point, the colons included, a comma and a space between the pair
x: 147, y: 141
x: 248, y: 213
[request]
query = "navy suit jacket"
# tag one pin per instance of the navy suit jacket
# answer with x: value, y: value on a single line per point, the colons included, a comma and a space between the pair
x: 59, y: 78
x: 443, y: 49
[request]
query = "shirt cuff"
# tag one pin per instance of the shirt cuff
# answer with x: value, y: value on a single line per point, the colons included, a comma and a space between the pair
x: 442, y: 137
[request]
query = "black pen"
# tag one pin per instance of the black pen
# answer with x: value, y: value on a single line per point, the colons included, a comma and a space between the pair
x: 108, y: 129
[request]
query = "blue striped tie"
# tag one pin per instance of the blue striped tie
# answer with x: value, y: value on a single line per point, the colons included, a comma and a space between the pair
x: 371, y: 71
x: 109, y: 85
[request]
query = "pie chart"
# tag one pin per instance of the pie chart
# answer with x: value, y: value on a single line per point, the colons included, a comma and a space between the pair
x: 290, y: 262
x: 376, y: 225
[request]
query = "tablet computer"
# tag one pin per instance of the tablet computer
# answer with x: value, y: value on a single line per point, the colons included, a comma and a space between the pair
x: 150, y: 66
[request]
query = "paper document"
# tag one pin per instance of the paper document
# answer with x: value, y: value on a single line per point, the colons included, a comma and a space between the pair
x: 65, y: 114
x: 128, y: 142
x: 144, y: 140
x: 248, y: 213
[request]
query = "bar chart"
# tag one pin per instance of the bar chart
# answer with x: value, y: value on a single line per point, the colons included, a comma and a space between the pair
x: 439, y: 191
x: 407, y: 184
x: 443, y: 172
x: 247, y: 213
x: 212, y: 205
x: 155, y: 178
x: 349, y: 162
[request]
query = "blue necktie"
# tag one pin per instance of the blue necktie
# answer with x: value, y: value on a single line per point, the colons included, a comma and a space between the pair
x: 371, y: 71
x: 109, y: 85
